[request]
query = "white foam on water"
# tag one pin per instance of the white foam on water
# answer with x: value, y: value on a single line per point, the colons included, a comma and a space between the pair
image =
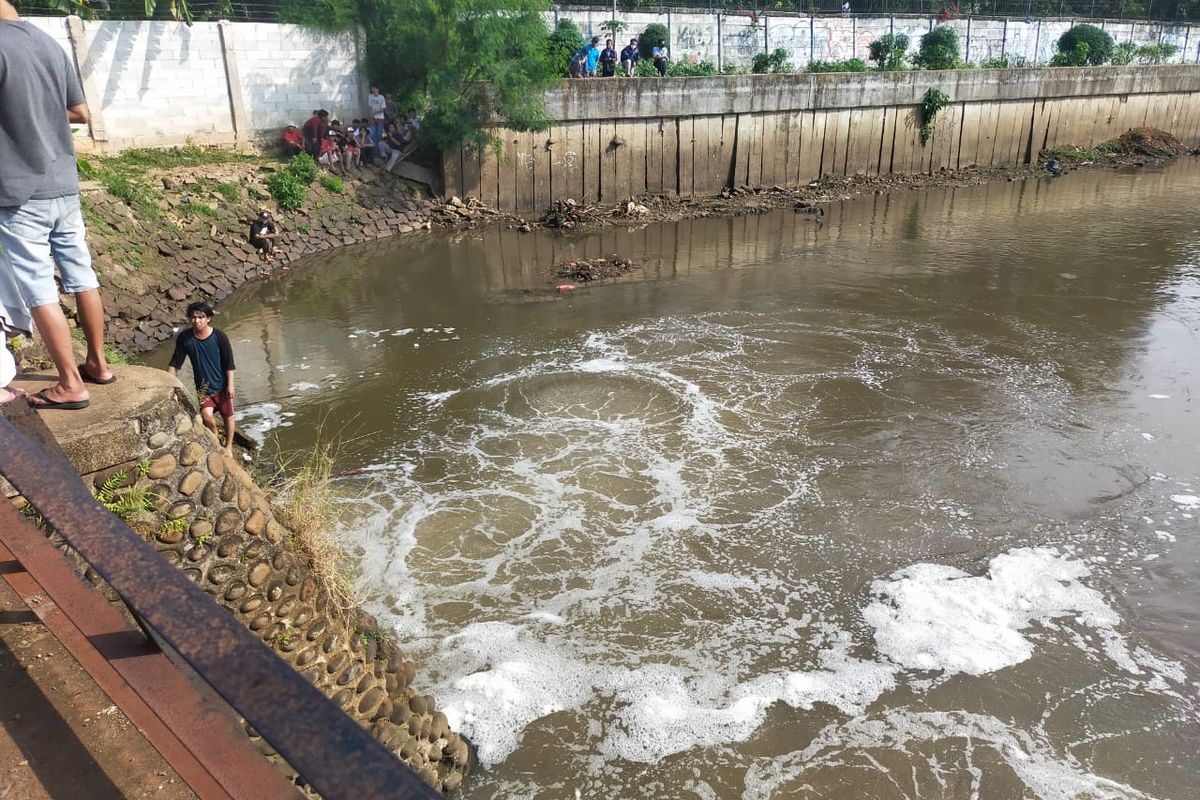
x: 303, y: 386
x: 437, y: 398
x: 601, y: 365
x: 1186, y: 500
x: 257, y: 420
x: 1159, y: 396
x: 1166, y: 536
x: 935, y: 744
x: 936, y: 617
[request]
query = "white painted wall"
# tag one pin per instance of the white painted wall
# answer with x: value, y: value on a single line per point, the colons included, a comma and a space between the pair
x: 163, y: 83
x: 836, y: 38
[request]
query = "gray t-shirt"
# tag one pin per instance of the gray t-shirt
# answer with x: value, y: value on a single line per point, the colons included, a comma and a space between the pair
x: 38, y: 84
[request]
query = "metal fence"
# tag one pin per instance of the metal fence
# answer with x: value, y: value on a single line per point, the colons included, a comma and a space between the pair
x: 268, y: 10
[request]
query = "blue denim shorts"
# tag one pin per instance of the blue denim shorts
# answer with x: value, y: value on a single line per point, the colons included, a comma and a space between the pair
x: 39, y: 235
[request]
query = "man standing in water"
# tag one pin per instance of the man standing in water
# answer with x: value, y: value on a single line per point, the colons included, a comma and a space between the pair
x: 208, y: 350
x: 41, y: 221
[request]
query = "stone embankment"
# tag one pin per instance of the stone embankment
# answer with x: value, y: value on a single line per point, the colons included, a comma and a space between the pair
x: 186, y: 240
x: 209, y: 518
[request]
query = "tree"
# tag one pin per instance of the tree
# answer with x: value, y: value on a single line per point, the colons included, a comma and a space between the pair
x: 939, y: 49
x: 466, y: 64
x: 649, y: 39
x: 890, y: 52
x: 1098, y: 47
x: 564, y: 42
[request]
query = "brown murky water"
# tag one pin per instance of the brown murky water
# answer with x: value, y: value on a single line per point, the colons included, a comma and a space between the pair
x: 904, y: 504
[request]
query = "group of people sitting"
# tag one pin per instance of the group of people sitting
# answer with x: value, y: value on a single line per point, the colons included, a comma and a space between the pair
x: 589, y: 59
x: 383, y: 138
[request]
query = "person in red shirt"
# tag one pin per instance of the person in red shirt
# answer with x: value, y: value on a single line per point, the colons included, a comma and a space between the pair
x: 314, y: 131
x: 293, y: 140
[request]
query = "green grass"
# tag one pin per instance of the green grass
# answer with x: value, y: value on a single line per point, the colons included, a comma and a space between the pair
x: 194, y: 209
x: 1097, y: 153
x: 142, y: 159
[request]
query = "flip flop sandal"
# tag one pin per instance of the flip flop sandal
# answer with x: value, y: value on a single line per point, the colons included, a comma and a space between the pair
x: 61, y: 405
x: 87, y: 376
x: 17, y: 394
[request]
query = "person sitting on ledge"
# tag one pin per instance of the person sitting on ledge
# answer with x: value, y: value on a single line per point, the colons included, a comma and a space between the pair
x: 293, y: 140
x: 262, y: 236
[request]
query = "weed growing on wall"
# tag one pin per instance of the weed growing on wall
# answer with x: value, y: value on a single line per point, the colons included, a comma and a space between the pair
x: 934, y: 101
x: 334, y: 184
x: 776, y: 61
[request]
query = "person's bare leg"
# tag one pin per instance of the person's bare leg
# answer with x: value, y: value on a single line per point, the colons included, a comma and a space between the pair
x: 229, y: 426
x: 55, y: 332
x: 210, y: 422
x: 91, y: 318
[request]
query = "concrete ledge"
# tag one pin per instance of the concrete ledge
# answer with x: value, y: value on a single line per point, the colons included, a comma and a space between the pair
x: 108, y: 431
x: 653, y: 98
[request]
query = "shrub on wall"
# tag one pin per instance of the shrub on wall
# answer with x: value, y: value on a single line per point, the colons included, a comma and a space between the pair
x: 890, y: 52
x: 304, y: 168
x: 564, y: 42
x: 776, y: 61
x: 939, y: 49
x: 690, y: 69
x: 649, y: 39
x: 1083, y: 45
x: 850, y: 65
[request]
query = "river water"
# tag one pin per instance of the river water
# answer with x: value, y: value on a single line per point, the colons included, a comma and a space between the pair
x: 904, y: 503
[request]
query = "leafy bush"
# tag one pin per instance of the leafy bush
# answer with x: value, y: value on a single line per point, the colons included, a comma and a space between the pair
x: 890, y: 52
x: 644, y: 69
x: 287, y: 189
x: 1005, y: 62
x: 649, y: 39
x: 304, y: 168
x: 850, y: 65
x: 333, y: 183
x: 564, y: 42
x: 1085, y: 45
x: 1124, y: 53
x: 776, y: 61
x: 1157, y: 53
x: 689, y: 69
x: 732, y: 69
x: 939, y: 49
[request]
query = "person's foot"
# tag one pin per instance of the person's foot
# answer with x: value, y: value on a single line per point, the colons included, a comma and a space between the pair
x: 96, y: 373
x: 229, y: 452
x: 8, y: 394
x: 58, y: 397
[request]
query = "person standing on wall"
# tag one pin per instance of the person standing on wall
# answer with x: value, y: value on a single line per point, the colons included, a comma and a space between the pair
x: 593, y: 57
x: 41, y: 220
x: 211, y: 357
x: 608, y: 60
x: 629, y: 58
x: 377, y: 105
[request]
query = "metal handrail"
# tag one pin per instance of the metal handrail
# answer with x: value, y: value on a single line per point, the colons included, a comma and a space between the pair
x: 331, y: 752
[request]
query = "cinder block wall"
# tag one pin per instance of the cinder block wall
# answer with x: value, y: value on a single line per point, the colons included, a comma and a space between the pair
x: 156, y: 84
x: 696, y: 136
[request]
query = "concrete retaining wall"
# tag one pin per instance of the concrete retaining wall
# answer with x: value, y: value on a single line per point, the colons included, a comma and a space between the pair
x: 736, y: 37
x: 696, y: 136
x: 156, y: 84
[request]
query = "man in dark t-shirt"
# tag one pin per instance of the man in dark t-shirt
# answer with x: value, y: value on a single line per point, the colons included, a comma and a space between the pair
x: 208, y: 350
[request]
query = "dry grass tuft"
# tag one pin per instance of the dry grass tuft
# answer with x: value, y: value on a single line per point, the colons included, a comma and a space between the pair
x: 306, y: 503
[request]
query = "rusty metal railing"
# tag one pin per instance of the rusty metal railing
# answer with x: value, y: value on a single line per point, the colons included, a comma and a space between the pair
x: 332, y: 753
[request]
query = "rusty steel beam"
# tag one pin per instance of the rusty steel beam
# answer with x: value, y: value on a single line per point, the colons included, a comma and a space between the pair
x: 334, y: 754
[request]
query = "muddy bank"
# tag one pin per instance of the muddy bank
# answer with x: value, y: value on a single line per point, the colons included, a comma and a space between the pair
x: 1136, y: 148
x: 182, y: 236
x: 185, y: 237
